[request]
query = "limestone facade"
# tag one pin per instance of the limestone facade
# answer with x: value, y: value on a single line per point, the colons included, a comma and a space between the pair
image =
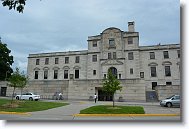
x: 79, y: 74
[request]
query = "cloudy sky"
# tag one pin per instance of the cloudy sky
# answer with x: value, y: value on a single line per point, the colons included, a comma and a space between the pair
x: 64, y: 25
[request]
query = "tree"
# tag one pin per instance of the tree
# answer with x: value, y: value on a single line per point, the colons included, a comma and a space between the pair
x: 6, y: 60
x: 17, y: 80
x: 111, y: 85
x: 15, y: 4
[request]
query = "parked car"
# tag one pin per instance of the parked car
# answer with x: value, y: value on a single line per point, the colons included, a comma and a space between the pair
x: 171, y: 101
x: 28, y: 96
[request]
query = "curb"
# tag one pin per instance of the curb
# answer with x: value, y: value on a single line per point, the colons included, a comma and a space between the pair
x: 122, y: 115
x: 15, y: 113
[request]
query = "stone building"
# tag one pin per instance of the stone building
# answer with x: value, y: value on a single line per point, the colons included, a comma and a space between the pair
x: 146, y: 73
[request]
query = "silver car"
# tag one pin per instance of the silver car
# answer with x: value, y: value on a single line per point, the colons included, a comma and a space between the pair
x: 171, y: 101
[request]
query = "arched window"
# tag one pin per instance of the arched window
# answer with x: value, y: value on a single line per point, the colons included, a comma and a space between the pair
x: 114, y: 71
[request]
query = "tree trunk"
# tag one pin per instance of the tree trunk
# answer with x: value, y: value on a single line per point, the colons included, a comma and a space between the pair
x: 113, y: 100
x: 21, y: 93
x: 13, y: 94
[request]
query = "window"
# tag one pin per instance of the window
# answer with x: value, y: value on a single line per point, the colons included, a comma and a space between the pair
x: 77, y: 59
x: 76, y: 74
x: 154, y: 84
x: 46, y: 60
x: 94, y: 58
x: 130, y: 40
x: 168, y: 83
x: 153, y: 72
x: 111, y: 43
x: 55, y: 74
x: 130, y: 56
x: 165, y: 54
x: 131, y: 71
x: 109, y: 55
x: 94, y: 72
x: 119, y: 76
x: 36, y: 74
x: 56, y: 61
x: 94, y: 43
x: 65, y: 74
x: 114, y: 55
x: 45, y: 74
x: 167, y: 71
x: 37, y: 61
x: 66, y: 60
x: 141, y: 74
x: 104, y: 75
x: 152, y: 55
x: 178, y: 53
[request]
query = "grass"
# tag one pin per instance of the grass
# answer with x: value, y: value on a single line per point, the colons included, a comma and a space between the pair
x: 27, y: 106
x: 107, y: 109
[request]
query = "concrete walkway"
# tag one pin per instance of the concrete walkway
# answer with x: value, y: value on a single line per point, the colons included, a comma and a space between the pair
x: 68, y: 112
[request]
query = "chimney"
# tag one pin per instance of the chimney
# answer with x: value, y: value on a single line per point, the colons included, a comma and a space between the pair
x: 131, y: 26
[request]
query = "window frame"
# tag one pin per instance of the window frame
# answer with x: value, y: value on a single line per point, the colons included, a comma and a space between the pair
x: 46, y: 61
x: 130, y: 56
x: 36, y: 74
x: 167, y: 71
x: 151, y: 71
x: 130, y: 40
x: 77, y: 59
x: 166, y: 54
x: 66, y: 60
x: 45, y: 74
x: 56, y: 60
x: 94, y: 58
x: 76, y: 73
x: 55, y: 74
x: 152, y: 55
x: 37, y: 61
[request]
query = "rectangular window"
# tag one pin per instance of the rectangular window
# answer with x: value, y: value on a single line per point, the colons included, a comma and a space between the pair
x: 119, y: 76
x: 130, y: 40
x: 109, y: 55
x: 94, y: 58
x: 111, y: 43
x: 37, y: 61
x: 154, y: 84
x: 55, y: 74
x: 168, y: 83
x: 66, y: 60
x: 56, y: 60
x: 178, y: 53
x: 114, y: 55
x: 36, y: 74
x: 152, y: 55
x: 45, y: 74
x: 65, y: 74
x: 76, y: 74
x: 131, y: 71
x: 94, y: 43
x: 165, y: 54
x: 141, y: 74
x: 130, y: 56
x: 46, y: 60
x: 153, y: 72
x: 104, y: 75
x: 77, y: 59
x: 167, y: 71
x: 94, y: 72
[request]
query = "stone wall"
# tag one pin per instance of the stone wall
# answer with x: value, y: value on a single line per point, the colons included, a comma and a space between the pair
x: 164, y: 91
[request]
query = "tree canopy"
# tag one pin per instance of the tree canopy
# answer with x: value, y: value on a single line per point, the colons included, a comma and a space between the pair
x: 17, y: 5
x: 6, y: 60
x: 111, y: 84
x: 17, y: 80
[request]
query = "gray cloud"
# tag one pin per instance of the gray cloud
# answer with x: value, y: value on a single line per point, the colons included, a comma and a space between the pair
x: 49, y: 26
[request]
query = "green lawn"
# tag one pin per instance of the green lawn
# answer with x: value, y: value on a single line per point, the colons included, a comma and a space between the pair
x: 107, y: 109
x: 27, y: 106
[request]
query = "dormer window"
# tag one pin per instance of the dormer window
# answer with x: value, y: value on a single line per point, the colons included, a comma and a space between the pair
x: 111, y: 43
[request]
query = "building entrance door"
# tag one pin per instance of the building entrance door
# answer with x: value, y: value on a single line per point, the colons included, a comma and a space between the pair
x: 102, y: 96
x: 3, y: 91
